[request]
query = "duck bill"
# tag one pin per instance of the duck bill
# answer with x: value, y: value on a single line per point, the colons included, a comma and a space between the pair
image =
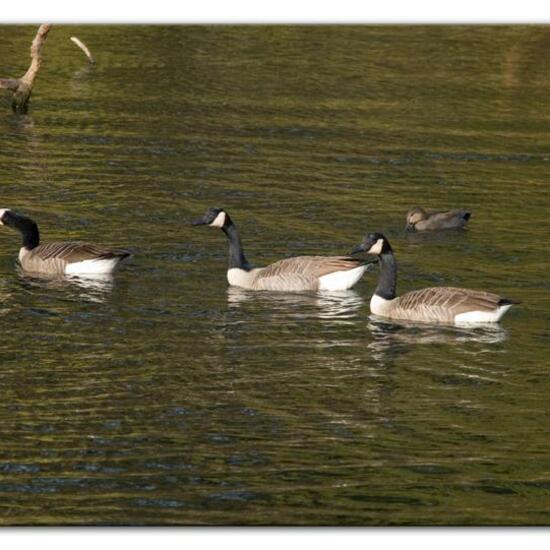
x: 409, y: 227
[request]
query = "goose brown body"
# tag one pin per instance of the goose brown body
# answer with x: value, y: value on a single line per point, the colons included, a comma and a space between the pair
x: 439, y: 305
x: 447, y: 305
x: 300, y: 273
x: 59, y: 258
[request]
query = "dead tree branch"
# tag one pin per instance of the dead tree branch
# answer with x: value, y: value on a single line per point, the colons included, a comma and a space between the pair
x: 84, y: 48
x: 22, y: 87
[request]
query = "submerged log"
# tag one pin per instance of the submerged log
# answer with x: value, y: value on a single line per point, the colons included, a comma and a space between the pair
x: 22, y: 87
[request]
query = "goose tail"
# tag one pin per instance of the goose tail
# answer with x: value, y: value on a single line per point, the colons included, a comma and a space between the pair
x: 508, y: 302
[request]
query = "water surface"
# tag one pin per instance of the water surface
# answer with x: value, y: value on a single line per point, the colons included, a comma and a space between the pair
x: 164, y: 397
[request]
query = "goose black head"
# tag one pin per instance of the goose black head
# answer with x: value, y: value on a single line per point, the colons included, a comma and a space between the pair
x: 373, y: 243
x: 414, y: 216
x: 5, y: 216
x: 214, y: 217
x: 23, y: 224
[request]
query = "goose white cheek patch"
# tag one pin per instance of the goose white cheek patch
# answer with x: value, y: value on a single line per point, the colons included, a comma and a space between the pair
x: 219, y: 220
x: 2, y: 212
x: 376, y: 248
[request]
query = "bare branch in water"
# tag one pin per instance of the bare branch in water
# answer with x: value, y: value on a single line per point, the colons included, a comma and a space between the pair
x: 22, y: 87
x: 84, y: 48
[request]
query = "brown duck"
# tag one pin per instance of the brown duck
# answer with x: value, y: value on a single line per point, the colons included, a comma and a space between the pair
x: 420, y: 220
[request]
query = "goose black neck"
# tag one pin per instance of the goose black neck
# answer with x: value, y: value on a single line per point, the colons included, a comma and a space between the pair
x: 236, y: 253
x: 387, y: 281
x: 25, y: 226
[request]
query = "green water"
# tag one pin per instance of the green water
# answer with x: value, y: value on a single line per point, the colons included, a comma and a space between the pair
x: 164, y: 397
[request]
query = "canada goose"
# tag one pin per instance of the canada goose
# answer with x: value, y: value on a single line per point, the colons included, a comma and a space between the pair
x: 61, y: 258
x: 458, y: 306
x: 292, y: 274
x: 420, y: 220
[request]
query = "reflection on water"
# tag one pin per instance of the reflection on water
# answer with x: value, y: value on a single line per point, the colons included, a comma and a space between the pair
x: 339, y: 305
x: 92, y: 287
x: 414, y: 334
x: 81, y: 79
x: 21, y: 123
x: 391, y: 339
x: 447, y: 236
